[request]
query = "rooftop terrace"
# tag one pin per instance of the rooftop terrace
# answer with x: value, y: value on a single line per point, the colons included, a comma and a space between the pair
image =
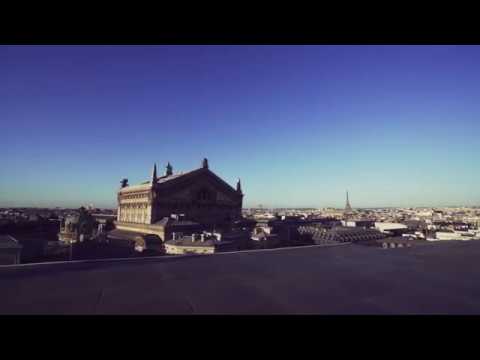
x: 441, y: 278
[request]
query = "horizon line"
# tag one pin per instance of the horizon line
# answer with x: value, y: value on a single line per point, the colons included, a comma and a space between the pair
x: 255, y: 207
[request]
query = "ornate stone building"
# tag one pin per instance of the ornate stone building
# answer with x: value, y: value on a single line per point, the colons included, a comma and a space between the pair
x: 198, y: 196
x: 77, y: 227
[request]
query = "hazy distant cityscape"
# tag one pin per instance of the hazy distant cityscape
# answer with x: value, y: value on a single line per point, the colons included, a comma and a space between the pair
x: 39, y: 230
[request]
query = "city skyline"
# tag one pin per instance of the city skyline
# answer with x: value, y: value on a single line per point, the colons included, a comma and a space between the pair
x: 395, y: 125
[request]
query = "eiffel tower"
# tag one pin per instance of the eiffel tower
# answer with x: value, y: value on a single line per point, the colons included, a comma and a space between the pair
x: 348, y: 209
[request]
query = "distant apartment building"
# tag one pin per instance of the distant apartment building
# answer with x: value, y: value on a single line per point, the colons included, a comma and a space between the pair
x: 391, y: 228
x: 415, y: 225
x: 204, y: 243
x: 454, y: 235
x: 366, y: 224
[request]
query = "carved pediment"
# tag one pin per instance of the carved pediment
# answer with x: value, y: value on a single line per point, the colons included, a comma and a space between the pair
x: 203, y: 186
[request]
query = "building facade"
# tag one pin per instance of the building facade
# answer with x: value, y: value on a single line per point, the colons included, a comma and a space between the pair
x: 205, y: 243
x: 199, y: 196
x: 77, y: 227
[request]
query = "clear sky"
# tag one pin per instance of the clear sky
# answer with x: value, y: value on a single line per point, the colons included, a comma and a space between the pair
x: 395, y: 125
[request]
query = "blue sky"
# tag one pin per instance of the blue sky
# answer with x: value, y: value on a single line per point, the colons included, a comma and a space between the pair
x: 395, y: 125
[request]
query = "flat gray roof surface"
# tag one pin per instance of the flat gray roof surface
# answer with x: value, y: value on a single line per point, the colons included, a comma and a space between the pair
x: 440, y: 278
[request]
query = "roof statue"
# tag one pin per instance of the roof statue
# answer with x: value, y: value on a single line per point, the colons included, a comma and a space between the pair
x: 169, y: 169
x: 124, y: 183
x: 205, y: 163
